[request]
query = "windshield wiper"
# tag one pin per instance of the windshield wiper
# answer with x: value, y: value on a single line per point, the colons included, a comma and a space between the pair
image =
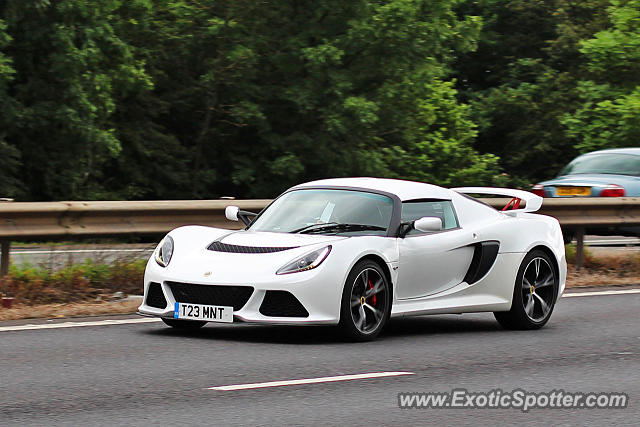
x: 307, y: 227
x: 341, y: 227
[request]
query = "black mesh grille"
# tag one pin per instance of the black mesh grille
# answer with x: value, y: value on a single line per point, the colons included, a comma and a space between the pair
x: 235, y: 296
x: 223, y: 247
x: 155, y: 297
x: 282, y: 304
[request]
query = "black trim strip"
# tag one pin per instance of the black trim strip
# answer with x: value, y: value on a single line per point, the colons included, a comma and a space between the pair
x: 218, y: 246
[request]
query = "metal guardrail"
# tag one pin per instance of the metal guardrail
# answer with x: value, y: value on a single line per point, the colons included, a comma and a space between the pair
x: 76, y: 219
x: 110, y: 218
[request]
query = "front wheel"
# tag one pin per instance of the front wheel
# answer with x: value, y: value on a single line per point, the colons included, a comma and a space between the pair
x: 187, y: 325
x: 366, y: 301
x: 535, y: 293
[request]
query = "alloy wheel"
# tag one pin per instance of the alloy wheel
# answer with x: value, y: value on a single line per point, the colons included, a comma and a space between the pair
x: 538, y: 291
x: 369, y: 299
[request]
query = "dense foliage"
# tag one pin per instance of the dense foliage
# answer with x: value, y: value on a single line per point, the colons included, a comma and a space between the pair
x: 146, y: 99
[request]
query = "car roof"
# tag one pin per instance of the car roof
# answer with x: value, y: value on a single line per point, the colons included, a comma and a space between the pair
x: 405, y: 190
x: 630, y: 150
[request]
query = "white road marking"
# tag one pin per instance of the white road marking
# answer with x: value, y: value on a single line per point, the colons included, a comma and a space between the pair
x: 107, y: 322
x: 78, y: 251
x: 599, y: 293
x: 607, y: 242
x: 309, y: 381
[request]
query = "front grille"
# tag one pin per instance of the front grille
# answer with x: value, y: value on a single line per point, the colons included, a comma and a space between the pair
x: 224, y: 247
x: 282, y: 304
x: 155, y: 297
x: 235, y: 296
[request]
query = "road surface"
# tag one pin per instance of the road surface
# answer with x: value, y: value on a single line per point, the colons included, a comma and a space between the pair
x: 115, y: 372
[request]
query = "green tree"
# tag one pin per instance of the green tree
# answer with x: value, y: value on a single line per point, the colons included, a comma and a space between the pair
x: 609, y: 113
x: 153, y: 162
x: 72, y: 69
x: 297, y: 90
x: 523, y: 79
x: 191, y: 98
x: 9, y: 154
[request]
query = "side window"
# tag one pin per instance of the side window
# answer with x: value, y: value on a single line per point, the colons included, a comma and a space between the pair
x: 443, y: 209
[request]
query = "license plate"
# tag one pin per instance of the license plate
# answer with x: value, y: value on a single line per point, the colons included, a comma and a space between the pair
x: 573, y: 191
x: 209, y: 313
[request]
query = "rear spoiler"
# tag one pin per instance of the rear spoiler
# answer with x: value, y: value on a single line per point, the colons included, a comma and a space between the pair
x: 532, y: 202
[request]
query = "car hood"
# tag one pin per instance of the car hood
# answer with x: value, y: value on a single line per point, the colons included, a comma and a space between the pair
x: 193, y: 262
x: 592, y: 180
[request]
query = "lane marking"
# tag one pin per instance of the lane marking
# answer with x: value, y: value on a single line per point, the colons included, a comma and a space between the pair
x: 599, y: 293
x: 607, y: 242
x: 108, y: 322
x: 309, y: 381
x: 79, y: 251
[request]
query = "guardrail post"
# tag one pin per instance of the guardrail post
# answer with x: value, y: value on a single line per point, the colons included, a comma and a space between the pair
x: 5, y: 248
x: 579, y: 248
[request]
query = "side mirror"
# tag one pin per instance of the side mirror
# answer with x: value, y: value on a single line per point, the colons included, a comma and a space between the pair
x: 231, y: 212
x: 427, y: 224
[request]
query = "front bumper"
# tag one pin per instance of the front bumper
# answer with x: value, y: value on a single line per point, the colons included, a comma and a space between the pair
x: 313, y: 290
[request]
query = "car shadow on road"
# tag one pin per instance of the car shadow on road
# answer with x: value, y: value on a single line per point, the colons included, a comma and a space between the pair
x: 422, y: 326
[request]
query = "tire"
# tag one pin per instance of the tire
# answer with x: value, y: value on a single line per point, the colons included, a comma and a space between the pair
x: 534, y: 294
x: 366, y: 302
x: 185, y: 325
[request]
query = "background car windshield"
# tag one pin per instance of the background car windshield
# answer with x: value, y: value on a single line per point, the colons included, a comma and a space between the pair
x: 305, y: 208
x: 619, y: 164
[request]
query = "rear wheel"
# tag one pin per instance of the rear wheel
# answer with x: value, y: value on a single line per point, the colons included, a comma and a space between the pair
x: 184, y: 324
x: 366, y: 301
x: 535, y: 294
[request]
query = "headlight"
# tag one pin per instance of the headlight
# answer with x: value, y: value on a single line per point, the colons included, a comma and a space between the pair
x: 164, y: 251
x: 306, y: 262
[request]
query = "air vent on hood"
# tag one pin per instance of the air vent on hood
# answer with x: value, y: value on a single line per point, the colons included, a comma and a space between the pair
x: 224, y: 247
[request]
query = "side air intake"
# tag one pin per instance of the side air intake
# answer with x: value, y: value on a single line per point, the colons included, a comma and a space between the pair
x: 484, y: 255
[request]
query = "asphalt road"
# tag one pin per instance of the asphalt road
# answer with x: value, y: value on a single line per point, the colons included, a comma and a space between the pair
x: 136, y: 374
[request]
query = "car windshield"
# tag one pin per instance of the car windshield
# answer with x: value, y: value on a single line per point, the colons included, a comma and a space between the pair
x: 316, y: 211
x: 619, y: 164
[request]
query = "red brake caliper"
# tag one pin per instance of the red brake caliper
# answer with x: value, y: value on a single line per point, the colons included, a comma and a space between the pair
x: 374, y: 297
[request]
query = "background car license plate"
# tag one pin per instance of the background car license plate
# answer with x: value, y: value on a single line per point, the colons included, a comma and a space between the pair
x: 573, y: 191
x: 209, y: 313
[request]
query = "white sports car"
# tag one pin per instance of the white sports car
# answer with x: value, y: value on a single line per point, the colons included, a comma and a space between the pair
x: 357, y: 251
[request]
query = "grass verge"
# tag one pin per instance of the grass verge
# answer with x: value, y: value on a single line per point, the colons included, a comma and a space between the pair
x: 35, y: 285
x: 598, y: 270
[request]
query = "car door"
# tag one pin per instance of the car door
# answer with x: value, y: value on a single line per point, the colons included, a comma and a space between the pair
x: 432, y: 262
